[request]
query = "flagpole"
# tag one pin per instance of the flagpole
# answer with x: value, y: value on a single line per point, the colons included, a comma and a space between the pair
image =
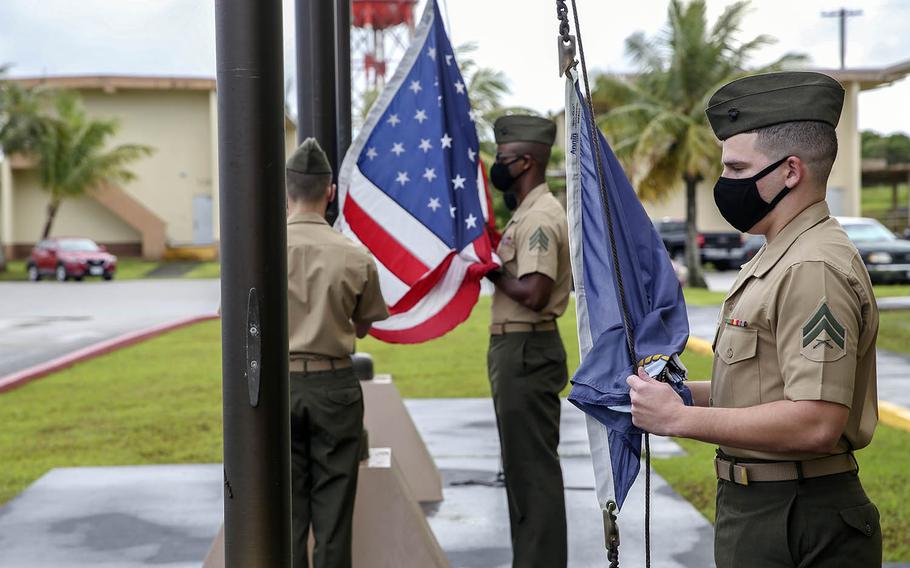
x: 316, y: 97
x: 342, y: 78
x: 254, y: 330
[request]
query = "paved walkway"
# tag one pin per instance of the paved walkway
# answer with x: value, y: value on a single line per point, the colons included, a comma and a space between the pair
x: 43, y: 320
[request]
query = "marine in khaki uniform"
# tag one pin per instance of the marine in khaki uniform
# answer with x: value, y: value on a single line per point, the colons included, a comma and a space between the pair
x: 526, y: 359
x: 793, y: 389
x: 333, y: 296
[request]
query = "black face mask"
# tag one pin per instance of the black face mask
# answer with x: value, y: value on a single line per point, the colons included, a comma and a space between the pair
x: 501, y: 178
x: 739, y: 201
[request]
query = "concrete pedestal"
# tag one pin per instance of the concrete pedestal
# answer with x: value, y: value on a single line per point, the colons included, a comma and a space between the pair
x: 390, y: 425
x: 390, y: 530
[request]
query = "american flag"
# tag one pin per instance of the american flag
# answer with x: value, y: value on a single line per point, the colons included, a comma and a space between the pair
x: 412, y: 190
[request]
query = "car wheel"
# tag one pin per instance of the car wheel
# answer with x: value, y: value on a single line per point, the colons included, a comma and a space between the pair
x: 108, y: 276
x: 60, y: 273
x: 33, y: 274
x: 721, y: 265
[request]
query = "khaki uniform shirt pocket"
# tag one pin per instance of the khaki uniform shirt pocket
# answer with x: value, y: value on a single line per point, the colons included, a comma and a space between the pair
x: 737, y: 380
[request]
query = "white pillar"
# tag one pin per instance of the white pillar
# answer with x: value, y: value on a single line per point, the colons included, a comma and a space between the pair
x: 213, y: 164
x: 845, y: 180
x: 6, y: 204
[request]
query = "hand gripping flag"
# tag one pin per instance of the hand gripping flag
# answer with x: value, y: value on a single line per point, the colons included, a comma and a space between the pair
x: 653, y: 299
x: 412, y: 190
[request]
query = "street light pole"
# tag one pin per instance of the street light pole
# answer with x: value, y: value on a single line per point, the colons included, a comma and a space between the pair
x: 254, y: 333
x: 842, y: 14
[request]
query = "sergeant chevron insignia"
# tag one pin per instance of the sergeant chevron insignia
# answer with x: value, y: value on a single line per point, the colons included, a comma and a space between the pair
x: 824, y: 339
x: 539, y: 241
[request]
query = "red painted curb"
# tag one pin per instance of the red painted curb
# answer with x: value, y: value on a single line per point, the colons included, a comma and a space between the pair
x: 24, y: 376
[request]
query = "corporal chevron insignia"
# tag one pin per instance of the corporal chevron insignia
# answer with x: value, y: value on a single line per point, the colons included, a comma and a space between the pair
x: 824, y: 338
x: 539, y: 241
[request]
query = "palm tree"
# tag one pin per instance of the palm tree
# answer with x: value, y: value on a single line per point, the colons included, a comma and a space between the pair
x: 656, y: 117
x: 74, y: 158
x: 21, y: 123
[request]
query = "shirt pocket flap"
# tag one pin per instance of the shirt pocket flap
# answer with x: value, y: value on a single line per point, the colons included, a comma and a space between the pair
x: 737, y: 344
x: 864, y: 518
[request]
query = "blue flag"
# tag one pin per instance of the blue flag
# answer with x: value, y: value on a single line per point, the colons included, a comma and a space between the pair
x: 654, y: 302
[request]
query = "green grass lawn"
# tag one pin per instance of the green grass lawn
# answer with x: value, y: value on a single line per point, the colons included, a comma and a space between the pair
x: 876, y: 202
x: 456, y: 364
x: 702, y: 297
x: 884, y: 470
x: 156, y: 402
x: 210, y: 269
x: 894, y: 331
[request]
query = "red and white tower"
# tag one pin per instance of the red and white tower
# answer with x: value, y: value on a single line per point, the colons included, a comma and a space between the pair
x: 380, y: 33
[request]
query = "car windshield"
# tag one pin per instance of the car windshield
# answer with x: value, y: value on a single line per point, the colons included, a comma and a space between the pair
x: 868, y: 232
x: 78, y: 245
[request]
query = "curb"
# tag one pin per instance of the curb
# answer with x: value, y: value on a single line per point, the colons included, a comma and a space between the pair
x: 699, y: 345
x: 894, y: 415
x: 19, y: 378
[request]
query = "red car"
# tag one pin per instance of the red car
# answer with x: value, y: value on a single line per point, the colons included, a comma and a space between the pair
x: 65, y: 258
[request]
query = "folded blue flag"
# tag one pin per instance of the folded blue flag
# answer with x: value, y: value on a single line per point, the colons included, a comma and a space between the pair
x: 653, y: 297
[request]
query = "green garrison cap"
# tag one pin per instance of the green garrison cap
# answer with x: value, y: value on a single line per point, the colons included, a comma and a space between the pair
x: 309, y: 158
x: 772, y: 98
x: 524, y: 128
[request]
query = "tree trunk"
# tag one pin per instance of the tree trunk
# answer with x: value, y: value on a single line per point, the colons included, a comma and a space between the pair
x: 693, y: 258
x: 52, y: 209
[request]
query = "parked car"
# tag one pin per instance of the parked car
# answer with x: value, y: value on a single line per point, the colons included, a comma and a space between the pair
x: 752, y: 245
x: 723, y: 249
x: 673, y: 233
x: 65, y: 258
x: 887, y: 257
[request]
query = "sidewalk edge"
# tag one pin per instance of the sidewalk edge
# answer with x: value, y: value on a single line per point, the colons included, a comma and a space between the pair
x: 19, y: 378
x: 894, y: 415
x: 699, y: 345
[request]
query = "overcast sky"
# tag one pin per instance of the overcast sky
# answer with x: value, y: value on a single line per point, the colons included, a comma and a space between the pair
x: 177, y: 37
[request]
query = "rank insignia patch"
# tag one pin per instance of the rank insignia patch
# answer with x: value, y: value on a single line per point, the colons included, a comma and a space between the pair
x: 539, y: 241
x: 823, y: 337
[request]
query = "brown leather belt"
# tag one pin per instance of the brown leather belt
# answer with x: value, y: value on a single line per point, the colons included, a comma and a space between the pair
x: 521, y: 327
x: 316, y: 365
x: 746, y: 473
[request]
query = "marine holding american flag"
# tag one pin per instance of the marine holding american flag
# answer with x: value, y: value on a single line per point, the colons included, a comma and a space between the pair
x: 412, y: 191
x: 526, y: 359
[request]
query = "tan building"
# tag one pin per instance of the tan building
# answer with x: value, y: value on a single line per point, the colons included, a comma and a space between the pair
x: 172, y: 203
x: 843, y: 185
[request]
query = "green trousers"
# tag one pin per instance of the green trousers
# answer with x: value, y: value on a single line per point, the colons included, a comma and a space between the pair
x: 527, y: 372
x: 823, y: 522
x: 326, y: 437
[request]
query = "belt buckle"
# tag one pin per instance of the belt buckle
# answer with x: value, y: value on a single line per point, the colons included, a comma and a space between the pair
x: 744, y: 474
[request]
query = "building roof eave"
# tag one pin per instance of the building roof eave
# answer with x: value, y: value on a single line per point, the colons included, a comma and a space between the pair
x: 112, y: 83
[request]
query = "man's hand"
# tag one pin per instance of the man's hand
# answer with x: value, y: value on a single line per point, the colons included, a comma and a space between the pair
x: 655, y: 405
